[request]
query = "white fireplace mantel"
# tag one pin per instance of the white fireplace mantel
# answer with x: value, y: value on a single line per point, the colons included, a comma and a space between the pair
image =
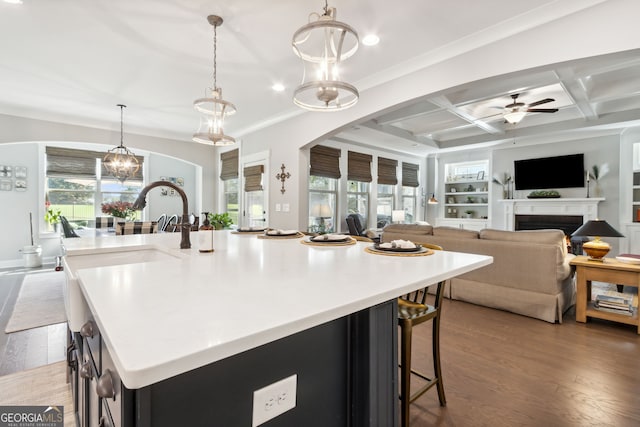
x: 587, y: 207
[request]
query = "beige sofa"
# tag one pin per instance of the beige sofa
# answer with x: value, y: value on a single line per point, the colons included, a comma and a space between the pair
x: 530, y: 274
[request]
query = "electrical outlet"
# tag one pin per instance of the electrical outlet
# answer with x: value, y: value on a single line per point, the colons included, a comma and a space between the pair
x: 278, y: 207
x: 285, y: 207
x: 274, y: 399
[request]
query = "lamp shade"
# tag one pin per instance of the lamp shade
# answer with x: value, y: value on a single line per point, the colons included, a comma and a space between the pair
x: 397, y: 216
x: 321, y: 211
x: 597, y: 249
x: 514, y: 116
x: 597, y: 228
x: 432, y: 200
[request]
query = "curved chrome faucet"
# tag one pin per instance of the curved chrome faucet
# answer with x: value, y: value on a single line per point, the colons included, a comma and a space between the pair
x: 141, y: 202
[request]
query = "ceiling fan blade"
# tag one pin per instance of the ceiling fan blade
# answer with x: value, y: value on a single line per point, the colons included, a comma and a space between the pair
x: 515, y: 105
x: 542, y: 101
x: 542, y: 110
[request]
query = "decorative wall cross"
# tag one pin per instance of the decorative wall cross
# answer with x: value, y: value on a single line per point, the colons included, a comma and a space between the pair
x: 282, y: 176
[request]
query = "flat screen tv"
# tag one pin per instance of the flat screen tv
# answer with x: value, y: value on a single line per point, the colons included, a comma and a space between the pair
x: 550, y: 172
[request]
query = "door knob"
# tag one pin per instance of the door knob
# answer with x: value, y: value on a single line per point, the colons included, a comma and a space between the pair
x: 105, y: 387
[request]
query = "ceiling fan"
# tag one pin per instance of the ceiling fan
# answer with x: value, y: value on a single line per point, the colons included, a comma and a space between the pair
x: 516, y: 111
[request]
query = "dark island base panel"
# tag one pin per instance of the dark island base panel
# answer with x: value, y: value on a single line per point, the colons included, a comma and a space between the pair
x: 347, y: 376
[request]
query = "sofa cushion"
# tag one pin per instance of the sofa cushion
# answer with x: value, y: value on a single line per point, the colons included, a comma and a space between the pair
x: 532, y: 236
x: 459, y: 233
x: 408, y: 229
x: 544, y: 237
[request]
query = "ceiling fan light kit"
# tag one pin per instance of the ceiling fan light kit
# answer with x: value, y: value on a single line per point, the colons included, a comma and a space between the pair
x: 120, y: 162
x: 322, y: 45
x: 516, y: 111
x: 212, y: 108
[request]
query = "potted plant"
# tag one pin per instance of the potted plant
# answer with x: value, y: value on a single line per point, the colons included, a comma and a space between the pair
x: 220, y: 221
x: 53, y: 218
x: 469, y: 213
x: 119, y: 209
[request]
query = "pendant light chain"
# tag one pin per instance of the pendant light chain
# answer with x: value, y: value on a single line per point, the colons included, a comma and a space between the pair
x: 121, y: 124
x: 215, y: 56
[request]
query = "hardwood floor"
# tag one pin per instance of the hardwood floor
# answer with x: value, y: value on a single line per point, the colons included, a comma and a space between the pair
x: 502, y: 369
x: 31, y: 348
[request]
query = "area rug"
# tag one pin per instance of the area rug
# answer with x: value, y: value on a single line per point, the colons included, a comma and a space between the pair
x: 43, y: 386
x: 40, y: 302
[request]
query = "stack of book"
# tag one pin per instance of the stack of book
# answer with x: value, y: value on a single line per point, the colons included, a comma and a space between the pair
x: 620, y: 305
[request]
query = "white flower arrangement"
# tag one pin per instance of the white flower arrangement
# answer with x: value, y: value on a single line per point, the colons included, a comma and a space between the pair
x: 599, y: 172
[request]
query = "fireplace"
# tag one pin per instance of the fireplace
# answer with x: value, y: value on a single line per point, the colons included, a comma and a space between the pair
x: 573, y: 208
x: 567, y: 223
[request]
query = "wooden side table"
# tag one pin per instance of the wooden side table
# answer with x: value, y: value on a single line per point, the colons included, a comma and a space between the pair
x: 609, y: 271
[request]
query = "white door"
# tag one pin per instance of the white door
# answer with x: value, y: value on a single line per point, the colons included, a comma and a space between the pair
x: 254, y: 190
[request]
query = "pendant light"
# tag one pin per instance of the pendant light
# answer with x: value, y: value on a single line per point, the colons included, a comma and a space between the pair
x: 213, y: 108
x: 120, y: 162
x: 322, y: 45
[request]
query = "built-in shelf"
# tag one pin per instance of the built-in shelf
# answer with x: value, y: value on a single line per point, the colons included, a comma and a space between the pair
x: 466, y: 188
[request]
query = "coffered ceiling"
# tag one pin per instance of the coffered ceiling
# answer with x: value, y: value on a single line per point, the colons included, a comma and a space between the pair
x: 72, y: 61
x: 593, y: 95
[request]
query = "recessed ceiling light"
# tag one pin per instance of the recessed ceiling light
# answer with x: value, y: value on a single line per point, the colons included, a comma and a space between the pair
x: 13, y: 1
x: 370, y: 40
x: 278, y: 87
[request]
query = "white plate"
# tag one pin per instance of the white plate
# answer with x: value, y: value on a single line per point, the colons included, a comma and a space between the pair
x: 628, y: 260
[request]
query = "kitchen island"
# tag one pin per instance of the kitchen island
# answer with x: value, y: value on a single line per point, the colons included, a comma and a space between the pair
x: 188, y: 338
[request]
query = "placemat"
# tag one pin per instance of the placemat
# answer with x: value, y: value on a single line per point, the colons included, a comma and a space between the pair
x: 328, y: 243
x: 371, y: 250
x: 250, y: 233
x: 276, y: 237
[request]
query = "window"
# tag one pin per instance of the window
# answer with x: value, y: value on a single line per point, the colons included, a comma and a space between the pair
x: 324, y: 173
x: 230, y: 189
x: 229, y: 177
x: 358, y: 199
x: 76, y: 186
x: 322, y: 204
x: 387, y: 181
x: 409, y: 197
x: 385, y: 204
x: 409, y: 191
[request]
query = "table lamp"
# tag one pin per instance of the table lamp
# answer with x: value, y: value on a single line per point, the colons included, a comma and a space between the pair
x: 596, y: 249
x: 321, y: 211
x: 397, y: 217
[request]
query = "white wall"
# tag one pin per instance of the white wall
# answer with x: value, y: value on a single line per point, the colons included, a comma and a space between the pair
x: 168, y: 167
x: 599, y: 150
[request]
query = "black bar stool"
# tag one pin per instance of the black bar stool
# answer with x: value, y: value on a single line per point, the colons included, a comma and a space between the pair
x: 413, y: 310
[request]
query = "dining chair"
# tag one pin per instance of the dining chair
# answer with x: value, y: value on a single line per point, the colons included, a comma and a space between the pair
x: 105, y: 222
x: 171, y: 224
x: 66, y: 228
x: 414, y: 310
x: 162, y: 221
x: 136, y: 227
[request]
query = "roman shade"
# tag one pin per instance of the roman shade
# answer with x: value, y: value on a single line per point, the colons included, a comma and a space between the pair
x: 410, y: 175
x: 387, y: 171
x: 79, y: 163
x: 325, y: 161
x: 229, y: 167
x: 253, y: 178
x: 359, y: 167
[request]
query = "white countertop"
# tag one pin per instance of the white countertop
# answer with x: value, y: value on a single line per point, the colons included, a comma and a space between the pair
x: 162, y: 318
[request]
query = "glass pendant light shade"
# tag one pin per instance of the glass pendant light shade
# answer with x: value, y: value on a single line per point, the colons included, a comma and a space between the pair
x: 213, y: 109
x: 514, y: 116
x: 323, y: 45
x: 120, y: 162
